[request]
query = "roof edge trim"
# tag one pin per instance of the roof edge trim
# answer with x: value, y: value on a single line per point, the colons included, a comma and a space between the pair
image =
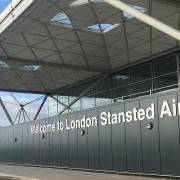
x: 12, y: 5
x: 12, y: 12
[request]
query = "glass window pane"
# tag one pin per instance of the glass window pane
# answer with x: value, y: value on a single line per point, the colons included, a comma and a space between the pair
x: 168, y: 82
x: 141, y: 88
x: 104, y: 85
x: 103, y: 98
x: 85, y: 86
x: 141, y: 73
x: 64, y: 102
x: 76, y: 106
x: 75, y: 91
x: 120, y: 79
x: 88, y: 101
x: 121, y: 92
x: 165, y: 66
x: 53, y: 106
x: 71, y: 98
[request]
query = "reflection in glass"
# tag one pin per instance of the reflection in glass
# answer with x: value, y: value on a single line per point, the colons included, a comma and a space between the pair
x: 103, y: 98
x: 53, y: 106
x: 165, y: 82
x: 76, y: 106
x: 64, y: 102
x: 141, y: 88
x: 104, y: 85
x: 141, y: 73
x: 121, y: 92
x: 88, y: 102
x: 165, y: 66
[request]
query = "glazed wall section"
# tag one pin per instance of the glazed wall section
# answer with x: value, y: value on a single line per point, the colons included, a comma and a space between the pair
x: 124, y: 147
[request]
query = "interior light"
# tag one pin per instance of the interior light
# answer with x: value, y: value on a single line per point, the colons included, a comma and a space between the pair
x: 3, y: 57
x: 4, y: 65
x: 83, y: 2
x: 120, y: 77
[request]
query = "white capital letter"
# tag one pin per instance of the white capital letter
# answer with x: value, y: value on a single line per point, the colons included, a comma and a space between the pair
x: 103, y: 118
x: 165, y: 110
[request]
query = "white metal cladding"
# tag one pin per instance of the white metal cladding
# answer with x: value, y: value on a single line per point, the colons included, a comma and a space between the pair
x: 68, y: 54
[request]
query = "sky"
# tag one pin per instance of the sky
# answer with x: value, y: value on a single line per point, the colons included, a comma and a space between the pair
x: 4, y: 4
x: 13, y: 107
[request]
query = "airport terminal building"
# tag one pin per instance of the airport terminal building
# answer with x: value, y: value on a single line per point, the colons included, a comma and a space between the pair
x: 110, y: 71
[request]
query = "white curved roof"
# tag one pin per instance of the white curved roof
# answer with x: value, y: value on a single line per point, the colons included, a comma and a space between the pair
x: 49, y: 44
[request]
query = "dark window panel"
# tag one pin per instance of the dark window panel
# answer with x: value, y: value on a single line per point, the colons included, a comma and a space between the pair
x: 85, y: 86
x: 75, y: 91
x: 141, y: 73
x: 104, y: 85
x: 91, y: 93
x: 120, y: 79
x: 64, y: 93
x: 165, y: 65
x: 165, y: 82
x: 141, y: 88
x: 122, y: 91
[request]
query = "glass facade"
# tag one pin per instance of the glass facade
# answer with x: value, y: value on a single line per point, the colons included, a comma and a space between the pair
x: 143, y: 79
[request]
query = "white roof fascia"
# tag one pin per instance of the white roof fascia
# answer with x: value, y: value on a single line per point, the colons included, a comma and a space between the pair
x: 12, y: 12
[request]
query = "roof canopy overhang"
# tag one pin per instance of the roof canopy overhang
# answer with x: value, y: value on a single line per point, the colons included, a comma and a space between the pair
x: 50, y: 44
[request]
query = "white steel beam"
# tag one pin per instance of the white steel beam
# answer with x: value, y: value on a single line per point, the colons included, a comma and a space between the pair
x: 12, y: 12
x: 145, y: 18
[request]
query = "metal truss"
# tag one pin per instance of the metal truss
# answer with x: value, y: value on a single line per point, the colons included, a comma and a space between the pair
x: 22, y: 114
x: 56, y: 99
x: 40, y: 108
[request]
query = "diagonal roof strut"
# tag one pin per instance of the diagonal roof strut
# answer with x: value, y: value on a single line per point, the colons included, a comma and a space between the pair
x: 145, y: 18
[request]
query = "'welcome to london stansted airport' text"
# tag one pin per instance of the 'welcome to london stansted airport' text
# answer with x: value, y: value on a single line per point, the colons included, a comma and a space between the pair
x: 135, y: 114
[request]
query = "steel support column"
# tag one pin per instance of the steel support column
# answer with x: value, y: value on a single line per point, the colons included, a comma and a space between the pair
x: 145, y: 18
x: 41, y: 106
x: 6, y: 112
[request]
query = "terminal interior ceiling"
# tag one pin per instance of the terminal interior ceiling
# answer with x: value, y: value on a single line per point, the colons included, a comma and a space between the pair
x: 57, y: 43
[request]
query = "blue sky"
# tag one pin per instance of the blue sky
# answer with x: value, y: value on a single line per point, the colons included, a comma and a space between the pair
x: 4, y: 4
x: 13, y: 106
